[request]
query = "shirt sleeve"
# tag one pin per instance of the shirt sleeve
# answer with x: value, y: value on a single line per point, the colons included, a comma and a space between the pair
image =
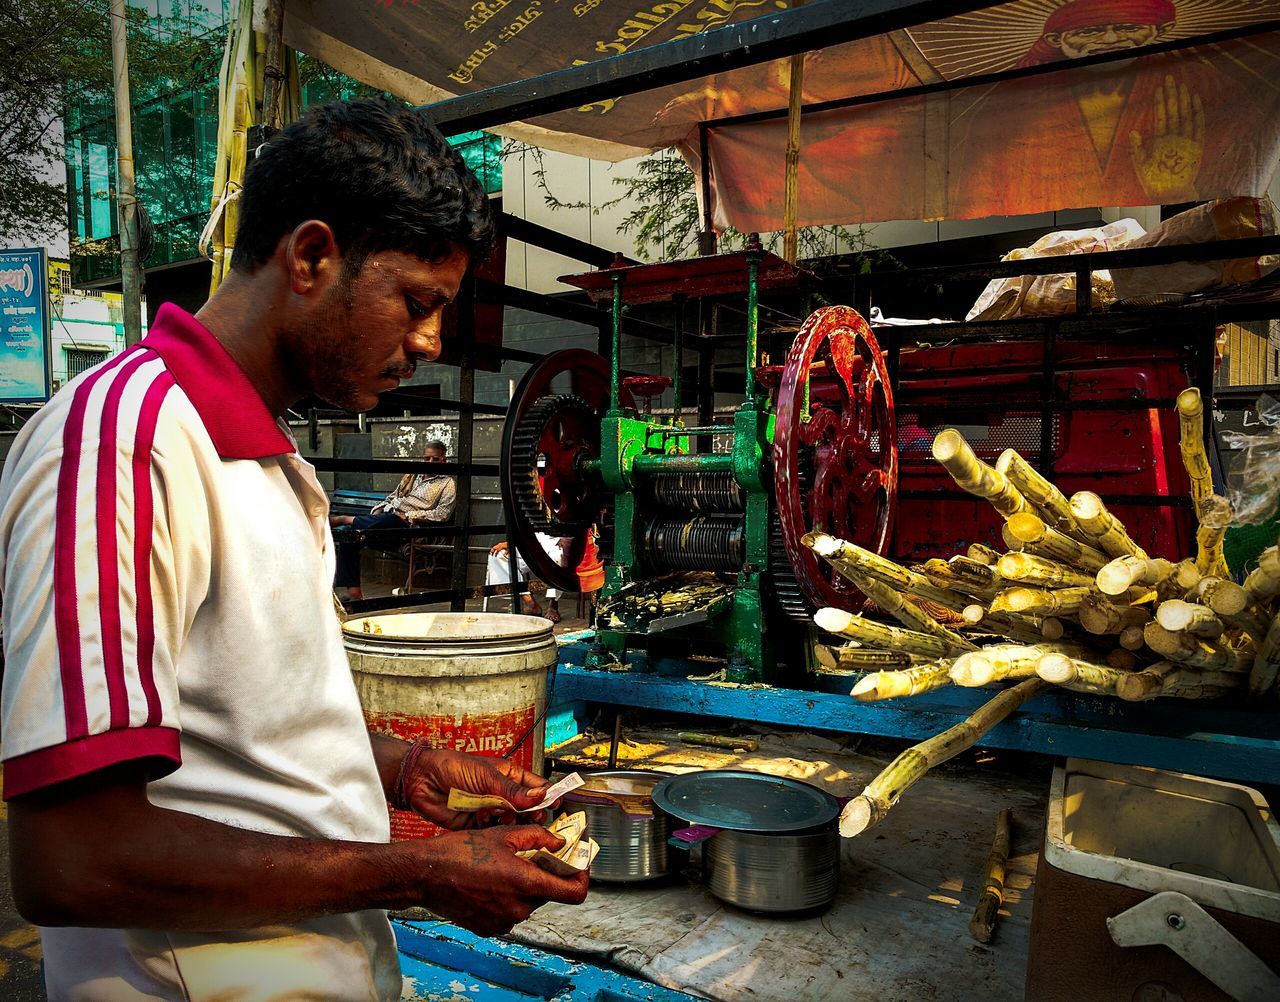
x: 100, y: 544
x: 433, y: 500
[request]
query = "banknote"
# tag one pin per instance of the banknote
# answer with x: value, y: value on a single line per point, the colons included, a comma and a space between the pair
x: 461, y: 800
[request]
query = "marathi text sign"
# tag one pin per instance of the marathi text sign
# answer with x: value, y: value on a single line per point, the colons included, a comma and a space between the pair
x: 24, y: 326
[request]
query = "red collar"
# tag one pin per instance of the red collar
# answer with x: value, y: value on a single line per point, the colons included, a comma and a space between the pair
x: 233, y: 413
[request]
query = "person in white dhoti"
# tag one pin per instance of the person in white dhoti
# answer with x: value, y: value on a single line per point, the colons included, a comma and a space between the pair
x: 498, y: 571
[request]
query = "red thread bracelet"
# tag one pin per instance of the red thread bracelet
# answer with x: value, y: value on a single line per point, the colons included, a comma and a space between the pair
x: 400, y: 793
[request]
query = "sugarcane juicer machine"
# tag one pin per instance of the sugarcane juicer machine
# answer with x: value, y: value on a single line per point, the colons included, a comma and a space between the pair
x: 813, y: 445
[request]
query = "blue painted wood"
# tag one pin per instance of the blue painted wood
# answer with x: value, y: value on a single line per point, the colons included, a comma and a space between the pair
x: 564, y: 723
x: 1182, y: 736
x: 438, y: 956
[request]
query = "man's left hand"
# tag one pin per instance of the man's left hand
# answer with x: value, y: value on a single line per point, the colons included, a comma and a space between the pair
x: 437, y: 770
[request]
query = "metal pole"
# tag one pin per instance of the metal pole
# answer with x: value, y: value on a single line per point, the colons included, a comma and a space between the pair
x: 615, y: 345
x: 753, y: 313
x: 678, y: 338
x: 707, y: 235
x: 791, y: 182
x: 126, y: 201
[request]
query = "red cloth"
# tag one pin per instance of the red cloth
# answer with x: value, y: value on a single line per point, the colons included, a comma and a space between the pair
x: 1092, y: 13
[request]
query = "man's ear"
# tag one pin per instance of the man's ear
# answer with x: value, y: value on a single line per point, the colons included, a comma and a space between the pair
x: 312, y: 257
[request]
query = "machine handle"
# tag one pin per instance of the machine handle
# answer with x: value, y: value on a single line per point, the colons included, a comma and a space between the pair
x: 1172, y: 919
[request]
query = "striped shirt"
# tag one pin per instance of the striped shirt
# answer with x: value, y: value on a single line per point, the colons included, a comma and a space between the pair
x: 165, y: 561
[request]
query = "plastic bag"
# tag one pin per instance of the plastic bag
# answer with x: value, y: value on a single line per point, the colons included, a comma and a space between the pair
x: 1253, y: 484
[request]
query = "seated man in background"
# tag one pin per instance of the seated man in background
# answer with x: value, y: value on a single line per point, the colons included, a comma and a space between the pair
x: 418, y: 499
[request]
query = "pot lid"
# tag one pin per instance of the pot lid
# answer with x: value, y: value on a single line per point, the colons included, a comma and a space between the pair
x: 746, y: 801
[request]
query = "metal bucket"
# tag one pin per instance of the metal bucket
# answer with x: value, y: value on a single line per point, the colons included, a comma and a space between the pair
x: 775, y: 872
x: 473, y: 682
x: 632, y: 848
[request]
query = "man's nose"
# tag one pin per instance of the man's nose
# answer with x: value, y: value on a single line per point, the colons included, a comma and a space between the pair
x: 423, y: 342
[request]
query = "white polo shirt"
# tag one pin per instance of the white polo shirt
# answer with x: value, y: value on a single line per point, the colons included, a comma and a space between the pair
x: 167, y: 568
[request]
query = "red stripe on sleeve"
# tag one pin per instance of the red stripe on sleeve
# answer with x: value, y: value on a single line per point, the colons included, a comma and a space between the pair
x: 66, y: 612
x: 56, y: 764
x: 143, y: 515
x: 108, y: 495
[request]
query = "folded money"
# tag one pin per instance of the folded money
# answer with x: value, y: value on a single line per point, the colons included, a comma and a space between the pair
x: 461, y: 800
x: 571, y: 858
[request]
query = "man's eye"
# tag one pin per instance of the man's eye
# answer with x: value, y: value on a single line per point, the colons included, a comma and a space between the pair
x: 416, y: 309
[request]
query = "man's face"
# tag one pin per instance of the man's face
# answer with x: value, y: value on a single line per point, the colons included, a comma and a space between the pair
x: 433, y: 456
x: 371, y: 329
x: 1097, y: 38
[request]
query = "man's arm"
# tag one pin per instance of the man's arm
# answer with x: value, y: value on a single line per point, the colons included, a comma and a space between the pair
x: 96, y: 852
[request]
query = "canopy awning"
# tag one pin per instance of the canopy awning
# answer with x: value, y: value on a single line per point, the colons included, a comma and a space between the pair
x: 1023, y: 107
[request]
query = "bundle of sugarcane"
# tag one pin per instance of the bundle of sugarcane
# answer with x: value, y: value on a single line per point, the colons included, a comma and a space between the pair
x: 1072, y: 598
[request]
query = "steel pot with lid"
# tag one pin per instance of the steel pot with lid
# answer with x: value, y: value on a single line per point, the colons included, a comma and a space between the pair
x: 770, y: 843
x: 621, y: 817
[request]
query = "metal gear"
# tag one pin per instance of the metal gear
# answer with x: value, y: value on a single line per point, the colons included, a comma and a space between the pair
x: 549, y: 442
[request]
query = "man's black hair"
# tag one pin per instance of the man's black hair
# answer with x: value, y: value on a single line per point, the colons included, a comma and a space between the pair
x: 376, y: 171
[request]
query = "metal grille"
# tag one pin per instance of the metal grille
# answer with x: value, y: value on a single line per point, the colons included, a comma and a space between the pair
x: 80, y: 359
x: 989, y: 434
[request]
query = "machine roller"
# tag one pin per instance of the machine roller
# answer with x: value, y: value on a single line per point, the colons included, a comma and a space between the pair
x: 812, y: 446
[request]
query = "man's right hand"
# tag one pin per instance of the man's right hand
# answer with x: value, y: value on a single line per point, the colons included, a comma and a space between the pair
x: 475, y: 879
x: 498, y: 549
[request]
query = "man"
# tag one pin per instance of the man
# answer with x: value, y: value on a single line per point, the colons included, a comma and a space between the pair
x: 417, y: 500
x: 196, y: 811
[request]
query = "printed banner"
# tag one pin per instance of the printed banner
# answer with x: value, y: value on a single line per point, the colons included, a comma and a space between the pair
x: 1194, y: 124
x: 24, y: 326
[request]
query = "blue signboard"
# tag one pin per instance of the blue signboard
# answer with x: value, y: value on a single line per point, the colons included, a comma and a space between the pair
x: 24, y: 326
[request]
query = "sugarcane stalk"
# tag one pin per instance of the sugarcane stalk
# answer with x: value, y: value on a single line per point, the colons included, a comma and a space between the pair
x: 851, y: 560
x: 911, y: 615
x: 1023, y: 629
x: 998, y: 662
x: 1033, y: 570
x: 1051, y: 502
x: 1052, y: 628
x: 1122, y: 659
x: 1074, y: 673
x: 1251, y: 622
x: 973, y: 475
x: 1213, y: 679
x: 1196, y: 651
x: 1102, y: 617
x: 1263, y: 582
x: 903, y: 682
x: 1148, y: 683
x: 1226, y: 598
x: 1266, y: 665
x: 1045, y: 541
x: 878, y: 796
x: 983, y: 553
x: 1132, y: 638
x: 941, y: 574
x: 1191, y: 445
x: 1186, y: 575
x: 1198, y: 620
x: 1011, y: 542
x: 1040, y: 601
x: 1128, y: 572
x: 1196, y: 690
x: 1104, y: 529
x: 992, y: 897
x: 859, y: 659
x: 1215, y: 517
x: 868, y: 631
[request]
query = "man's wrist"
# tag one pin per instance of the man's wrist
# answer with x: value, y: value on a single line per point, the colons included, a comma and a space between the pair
x: 400, y: 790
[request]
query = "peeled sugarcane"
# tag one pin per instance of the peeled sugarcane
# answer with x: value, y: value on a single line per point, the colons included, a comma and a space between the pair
x: 1148, y: 683
x: 871, y: 806
x: 1132, y: 638
x: 1042, y: 494
x: 1045, y: 541
x: 860, y: 658
x: 1195, y: 651
x: 1191, y: 444
x: 1104, y: 529
x: 1040, y: 601
x: 903, y: 682
x: 1004, y: 661
x: 1100, y: 616
x: 1127, y: 572
x: 868, y: 631
x: 1011, y: 542
x: 1052, y: 628
x: 1023, y: 629
x: 992, y: 897
x: 983, y: 553
x: 973, y: 475
x: 1216, y: 514
x: 1263, y: 582
x: 1027, y: 568
x: 1186, y: 575
x: 1073, y: 673
x: 1226, y: 598
x: 1198, y: 620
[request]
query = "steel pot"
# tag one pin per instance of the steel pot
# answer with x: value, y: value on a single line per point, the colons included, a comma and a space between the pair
x: 772, y: 872
x: 632, y: 848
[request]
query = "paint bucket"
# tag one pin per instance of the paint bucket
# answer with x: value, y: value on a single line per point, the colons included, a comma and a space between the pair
x: 473, y: 682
